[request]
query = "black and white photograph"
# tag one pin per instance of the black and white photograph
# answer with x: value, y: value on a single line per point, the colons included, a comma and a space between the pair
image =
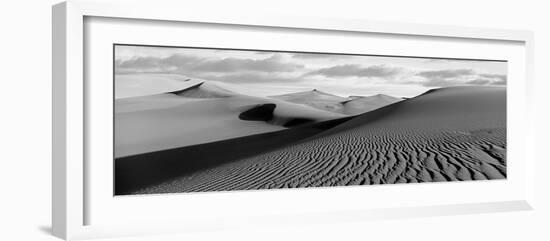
x: 276, y: 120
x: 190, y: 119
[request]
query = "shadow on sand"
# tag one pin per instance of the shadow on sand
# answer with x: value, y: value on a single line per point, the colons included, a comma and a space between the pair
x: 133, y: 173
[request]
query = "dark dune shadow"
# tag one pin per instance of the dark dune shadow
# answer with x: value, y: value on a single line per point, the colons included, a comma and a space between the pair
x: 264, y: 112
x: 139, y: 171
x: 259, y: 113
x: 179, y: 92
x: 298, y: 122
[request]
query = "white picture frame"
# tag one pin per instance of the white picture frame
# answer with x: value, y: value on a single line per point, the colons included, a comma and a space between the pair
x: 71, y: 188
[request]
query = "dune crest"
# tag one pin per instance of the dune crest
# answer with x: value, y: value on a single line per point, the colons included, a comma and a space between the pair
x: 316, y: 99
x: 452, y: 108
x: 451, y: 134
x: 352, y: 105
x: 201, y: 113
x: 361, y: 104
x: 203, y: 90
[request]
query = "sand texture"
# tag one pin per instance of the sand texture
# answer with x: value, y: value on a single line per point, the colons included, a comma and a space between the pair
x: 448, y: 134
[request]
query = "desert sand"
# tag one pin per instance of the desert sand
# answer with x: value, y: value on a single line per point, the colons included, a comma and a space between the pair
x: 352, y: 105
x: 201, y: 112
x: 361, y: 104
x: 447, y: 134
x: 133, y: 173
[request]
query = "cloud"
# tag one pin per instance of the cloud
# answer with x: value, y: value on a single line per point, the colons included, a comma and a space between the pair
x: 436, y: 60
x: 169, y: 64
x: 355, y: 70
x: 264, y: 52
x: 186, y: 64
x: 251, y: 77
x: 271, y: 64
x: 500, y: 77
x: 487, y: 81
x: 142, y: 62
x: 438, y: 82
x: 317, y: 56
x: 455, y: 77
x: 446, y: 74
x: 478, y: 82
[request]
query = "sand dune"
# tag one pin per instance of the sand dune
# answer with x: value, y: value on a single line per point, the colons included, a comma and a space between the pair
x: 199, y: 113
x: 143, y: 84
x: 453, y: 108
x: 204, y: 90
x: 155, y: 167
x: 361, y: 104
x: 352, y: 105
x: 133, y: 85
x: 316, y: 99
x: 450, y: 134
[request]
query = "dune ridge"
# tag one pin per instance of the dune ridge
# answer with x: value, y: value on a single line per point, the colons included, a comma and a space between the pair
x: 201, y: 113
x: 361, y: 104
x: 203, y: 90
x: 450, y: 134
x: 352, y: 105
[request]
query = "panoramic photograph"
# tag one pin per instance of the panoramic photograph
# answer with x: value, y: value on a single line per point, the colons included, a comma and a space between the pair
x: 192, y: 119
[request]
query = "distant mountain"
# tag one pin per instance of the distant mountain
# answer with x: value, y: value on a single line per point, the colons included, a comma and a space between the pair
x: 352, y: 105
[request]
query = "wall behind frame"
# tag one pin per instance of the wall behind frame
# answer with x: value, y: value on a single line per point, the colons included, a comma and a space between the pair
x: 26, y: 123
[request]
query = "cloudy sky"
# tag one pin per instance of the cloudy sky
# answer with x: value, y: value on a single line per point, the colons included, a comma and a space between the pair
x: 274, y: 73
